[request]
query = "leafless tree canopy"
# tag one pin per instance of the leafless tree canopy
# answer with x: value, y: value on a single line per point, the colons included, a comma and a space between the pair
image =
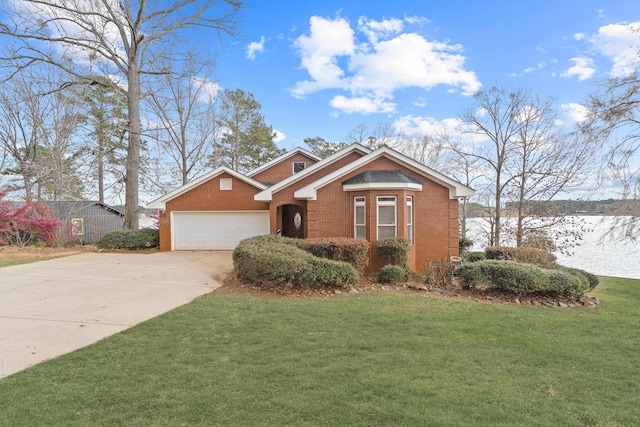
x: 123, y: 39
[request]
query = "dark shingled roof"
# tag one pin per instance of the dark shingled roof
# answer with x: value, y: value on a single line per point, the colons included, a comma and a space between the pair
x: 381, y: 176
x: 67, y: 208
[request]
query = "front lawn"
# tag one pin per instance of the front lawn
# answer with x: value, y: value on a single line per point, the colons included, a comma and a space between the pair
x: 367, y: 359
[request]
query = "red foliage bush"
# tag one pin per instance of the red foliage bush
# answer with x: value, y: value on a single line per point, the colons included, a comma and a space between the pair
x: 26, y: 223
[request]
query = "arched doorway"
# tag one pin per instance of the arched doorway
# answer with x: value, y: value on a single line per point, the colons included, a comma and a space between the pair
x: 293, y: 218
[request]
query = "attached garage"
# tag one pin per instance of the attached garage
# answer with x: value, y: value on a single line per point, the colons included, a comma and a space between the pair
x: 216, y: 230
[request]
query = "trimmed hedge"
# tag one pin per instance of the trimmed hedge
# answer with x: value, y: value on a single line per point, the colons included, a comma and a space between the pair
x: 394, y: 250
x: 523, y: 279
x: 279, y: 261
x: 524, y: 255
x: 143, y: 238
x: 474, y: 256
x: 393, y: 274
x: 353, y: 251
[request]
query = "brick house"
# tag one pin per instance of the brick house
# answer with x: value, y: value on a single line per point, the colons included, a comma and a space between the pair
x: 356, y: 192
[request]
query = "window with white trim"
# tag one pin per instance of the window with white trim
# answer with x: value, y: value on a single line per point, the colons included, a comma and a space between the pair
x: 409, y: 212
x: 387, y: 217
x: 299, y: 166
x: 359, y: 218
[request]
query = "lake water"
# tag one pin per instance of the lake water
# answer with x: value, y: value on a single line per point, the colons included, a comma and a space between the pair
x: 597, y: 253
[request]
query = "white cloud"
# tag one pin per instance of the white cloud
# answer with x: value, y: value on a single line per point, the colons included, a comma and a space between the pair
x: 418, y: 126
x: 579, y: 36
x: 420, y: 20
x: 255, y: 47
x: 582, y: 68
x: 362, y: 105
x: 374, y: 69
x: 279, y: 136
x: 320, y: 52
x: 575, y: 112
x: 620, y: 43
x: 374, y: 30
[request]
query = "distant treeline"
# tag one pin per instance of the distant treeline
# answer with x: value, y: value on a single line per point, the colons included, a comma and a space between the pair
x: 609, y: 207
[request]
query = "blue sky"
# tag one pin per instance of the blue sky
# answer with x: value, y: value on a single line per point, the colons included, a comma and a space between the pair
x: 323, y: 68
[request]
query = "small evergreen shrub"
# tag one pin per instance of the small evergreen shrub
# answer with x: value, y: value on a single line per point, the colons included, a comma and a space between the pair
x: 524, y: 255
x: 474, y: 256
x: 143, y: 238
x: 508, y: 276
x: 279, y: 261
x: 353, y: 251
x: 392, y: 274
x: 591, y: 279
x: 567, y: 284
x: 393, y: 250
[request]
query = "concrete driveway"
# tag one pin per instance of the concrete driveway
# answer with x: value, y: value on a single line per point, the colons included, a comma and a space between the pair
x: 50, y: 308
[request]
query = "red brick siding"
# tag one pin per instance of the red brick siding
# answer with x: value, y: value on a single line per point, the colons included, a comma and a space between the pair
x: 286, y: 195
x: 208, y: 197
x: 435, y: 227
x: 283, y: 169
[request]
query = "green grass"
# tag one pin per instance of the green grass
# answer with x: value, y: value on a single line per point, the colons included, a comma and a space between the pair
x: 6, y: 262
x: 366, y: 360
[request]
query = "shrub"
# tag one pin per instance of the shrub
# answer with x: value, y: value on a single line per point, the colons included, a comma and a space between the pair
x: 393, y: 250
x: 144, y: 238
x: 353, y: 251
x: 439, y: 273
x: 567, y: 284
x: 279, y: 261
x: 524, y: 255
x: 471, y: 276
x: 474, y: 256
x: 521, y: 278
x: 26, y: 223
x: 392, y: 274
x: 592, y: 279
x: 504, y: 275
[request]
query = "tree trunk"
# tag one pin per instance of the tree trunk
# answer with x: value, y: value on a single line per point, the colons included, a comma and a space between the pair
x: 131, y: 210
x: 101, y: 145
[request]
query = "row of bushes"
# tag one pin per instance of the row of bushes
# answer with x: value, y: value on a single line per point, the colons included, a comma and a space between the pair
x: 524, y: 255
x: 520, y: 278
x: 280, y: 261
x: 143, y: 238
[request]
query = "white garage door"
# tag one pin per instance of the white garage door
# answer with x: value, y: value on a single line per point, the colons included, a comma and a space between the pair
x: 216, y: 230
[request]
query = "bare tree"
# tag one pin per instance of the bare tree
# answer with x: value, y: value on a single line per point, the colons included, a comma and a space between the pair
x: 185, y: 109
x: 527, y: 157
x: 382, y: 134
x: 495, y: 117
x: 38, y: 133
x: 21, y: 114
x: 122, y: 38
x: 614, y: 122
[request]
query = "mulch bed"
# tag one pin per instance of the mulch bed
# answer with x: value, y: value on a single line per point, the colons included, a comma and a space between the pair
x: 368, y: 284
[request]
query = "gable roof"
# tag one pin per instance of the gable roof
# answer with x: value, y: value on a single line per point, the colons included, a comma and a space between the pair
x: 66, y: 208
x: 284, y: 157
x: 267, y: 194
x: 161, y: 202
x: 456, y: 190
